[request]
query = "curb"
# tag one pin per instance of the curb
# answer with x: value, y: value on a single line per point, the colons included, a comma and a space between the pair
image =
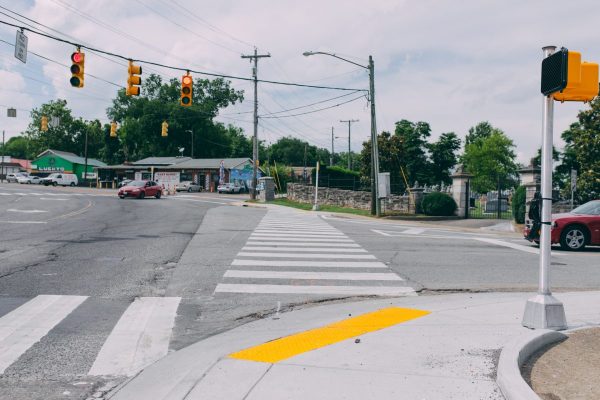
x: 514, y: 354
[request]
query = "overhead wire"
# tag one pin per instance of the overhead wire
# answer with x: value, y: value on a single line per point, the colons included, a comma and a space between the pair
x: 314, y: 111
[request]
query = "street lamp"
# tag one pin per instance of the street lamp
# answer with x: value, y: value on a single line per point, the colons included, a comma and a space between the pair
x: 192, y: 132
x: 375, y: 206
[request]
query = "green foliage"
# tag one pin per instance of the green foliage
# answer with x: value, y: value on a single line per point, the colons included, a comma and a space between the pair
x: 518, y: 205
x: 490, y: 159
x: 438, y: 204
x: 17, y: 147
x: 443, y: 157
x: 292, y: 151
x: 282, y: 175
x: 480, y: 131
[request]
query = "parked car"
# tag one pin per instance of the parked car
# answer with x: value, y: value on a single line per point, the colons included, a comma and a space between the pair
x: 188, y: 186
x: 576, y: 229
x: 61, y: 179
x: 124, y: 182
x: 140, y: 189
x: 13, y: 178
x: 29, y: 179
x: 229, y: 188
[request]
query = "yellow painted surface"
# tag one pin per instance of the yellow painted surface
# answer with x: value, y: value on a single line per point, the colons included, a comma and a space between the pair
x: 289, y: 346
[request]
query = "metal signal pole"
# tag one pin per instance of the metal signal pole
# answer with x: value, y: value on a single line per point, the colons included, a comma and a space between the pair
x: 255, y: 58
x: 331, y: 158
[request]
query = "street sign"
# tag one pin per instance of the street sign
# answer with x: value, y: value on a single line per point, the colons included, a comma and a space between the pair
x: 54, y: 122
x: 11, y: 112
x: 573, y: 180
x: 21, y: 47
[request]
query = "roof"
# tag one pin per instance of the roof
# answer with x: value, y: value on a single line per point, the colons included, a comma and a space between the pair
x: 161, y: 160
x: 212, y: 163
x: 72, y: 158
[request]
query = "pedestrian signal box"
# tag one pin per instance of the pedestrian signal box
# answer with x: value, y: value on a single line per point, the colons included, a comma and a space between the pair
x: 566, y: 78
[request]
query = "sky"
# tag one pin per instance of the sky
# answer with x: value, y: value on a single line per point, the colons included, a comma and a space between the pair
x: 451, y: 64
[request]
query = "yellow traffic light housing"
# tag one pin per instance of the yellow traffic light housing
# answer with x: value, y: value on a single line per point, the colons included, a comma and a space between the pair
x: 134, y: 80
x: 77, y: 59
x: 44, y: 123
x: 586, y: 89
x: 187, y: 88
x: 113, y: 129
x: 165, y: 129
x: 566, y: 78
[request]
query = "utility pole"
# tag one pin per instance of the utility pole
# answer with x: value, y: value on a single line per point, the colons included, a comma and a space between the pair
x: 3, y: 157
x: 349, y: 121
x: 375, y: 205
x: 255, y: 58
x: 86, y: 158
x: 305, y: 171
x: 332, y: 151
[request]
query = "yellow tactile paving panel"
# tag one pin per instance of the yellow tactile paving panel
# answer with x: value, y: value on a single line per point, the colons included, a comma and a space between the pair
x: 289, y: 346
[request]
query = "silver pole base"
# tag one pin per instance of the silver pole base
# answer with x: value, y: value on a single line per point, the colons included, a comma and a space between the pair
x: 315, y: 207
x: 544, y: 312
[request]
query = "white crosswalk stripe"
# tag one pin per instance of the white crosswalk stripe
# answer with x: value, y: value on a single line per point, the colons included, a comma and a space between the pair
x: 139, y: 338
x: 23, y: 327
x: 299, y: 253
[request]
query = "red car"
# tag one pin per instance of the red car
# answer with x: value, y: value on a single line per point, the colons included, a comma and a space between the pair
x: 576, y: 229
x: 140, y: 189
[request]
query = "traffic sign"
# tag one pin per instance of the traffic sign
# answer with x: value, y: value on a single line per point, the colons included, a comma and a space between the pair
x: 21, y: 46
x: 573, y: 180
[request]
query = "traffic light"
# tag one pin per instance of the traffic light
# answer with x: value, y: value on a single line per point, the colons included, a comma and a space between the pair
x: 77, y: 59
x: 134, y: 81
x: 566, y: 78
x: 113, y: 129
x: 44, y: 123
x: 165, y: 129
x: 187, y: 87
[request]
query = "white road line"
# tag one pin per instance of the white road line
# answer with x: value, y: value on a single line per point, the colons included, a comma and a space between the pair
x: 297, y: 230
x: 26, y: 211
x: 293, y: 232
x: 380, y: 232
x: 413, y: 231
x: 298, y: 235
x: 23, y: 222
x: 309, y: 255
x: 526, y: 249
x: 48, y: 198
x: 316, y: 264
x: 342, y: 276
x: 323, y: 290
x: 140, y: 338
x: 199, y: 201
x: 299, y: 239
x: 23, y: 327
x: 253, y: 242
x: 326, y: 249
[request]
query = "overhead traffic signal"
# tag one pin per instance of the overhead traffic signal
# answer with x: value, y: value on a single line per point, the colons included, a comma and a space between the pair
x: 77, y: 59
x: 113, y: 129
x: 44, y: 123
x: 134, y: 80
x: 566, y: 78
x: 165, y: 129
x: 187, y: 87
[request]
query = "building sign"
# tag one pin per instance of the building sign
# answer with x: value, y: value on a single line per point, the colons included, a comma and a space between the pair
x: 51, y: 169
x: 168, y: 179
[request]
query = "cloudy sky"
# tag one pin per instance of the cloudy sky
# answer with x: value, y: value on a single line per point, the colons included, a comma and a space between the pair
x: 449, y: 63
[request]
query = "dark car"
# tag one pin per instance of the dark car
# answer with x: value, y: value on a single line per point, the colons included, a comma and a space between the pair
x: 140, y: 189
x: 576, y: 229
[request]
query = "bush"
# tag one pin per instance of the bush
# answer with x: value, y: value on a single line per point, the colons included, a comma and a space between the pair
x: 438, y: 204
x: 518, y: 205
x: 338, y: 177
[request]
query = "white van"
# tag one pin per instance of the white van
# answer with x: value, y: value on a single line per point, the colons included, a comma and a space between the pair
x: 60, y: 179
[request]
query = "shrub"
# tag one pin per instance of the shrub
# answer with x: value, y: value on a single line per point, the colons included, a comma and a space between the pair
x: 438, y: 204
x: 518, y: 205
x: 338, y: 177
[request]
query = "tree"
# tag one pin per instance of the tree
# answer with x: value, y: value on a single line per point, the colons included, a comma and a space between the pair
x: 491, y: 160
x: 582, y: 152
x: 412, y: 150
x: 480, y: 131
x: 443, y: 157
x: 17, y: 147
x: 291, y: 151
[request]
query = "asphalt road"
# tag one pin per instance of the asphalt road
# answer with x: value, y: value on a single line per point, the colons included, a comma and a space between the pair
x: 94, y: 288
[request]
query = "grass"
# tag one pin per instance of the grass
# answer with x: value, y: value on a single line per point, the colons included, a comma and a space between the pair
x: 324, y: 207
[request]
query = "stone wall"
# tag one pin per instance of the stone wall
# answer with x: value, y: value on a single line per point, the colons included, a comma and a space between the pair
x: 346, y: 198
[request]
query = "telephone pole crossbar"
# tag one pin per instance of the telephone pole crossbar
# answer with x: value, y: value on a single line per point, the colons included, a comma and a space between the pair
x: 254, y: 57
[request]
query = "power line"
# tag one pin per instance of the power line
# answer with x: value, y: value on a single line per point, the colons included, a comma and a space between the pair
x: 183, y: 69
x: 309, y: 105
x: 314, y: 111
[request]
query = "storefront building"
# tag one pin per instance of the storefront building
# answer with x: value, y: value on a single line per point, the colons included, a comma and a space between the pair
x: 51, y: 161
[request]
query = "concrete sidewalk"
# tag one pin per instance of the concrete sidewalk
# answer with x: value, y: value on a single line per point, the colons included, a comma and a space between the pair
x: 449, y: 353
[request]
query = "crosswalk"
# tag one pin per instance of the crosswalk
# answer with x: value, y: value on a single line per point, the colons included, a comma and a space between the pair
x: 139, y: 338
x: 50, y: 194
x: 297, y: 253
